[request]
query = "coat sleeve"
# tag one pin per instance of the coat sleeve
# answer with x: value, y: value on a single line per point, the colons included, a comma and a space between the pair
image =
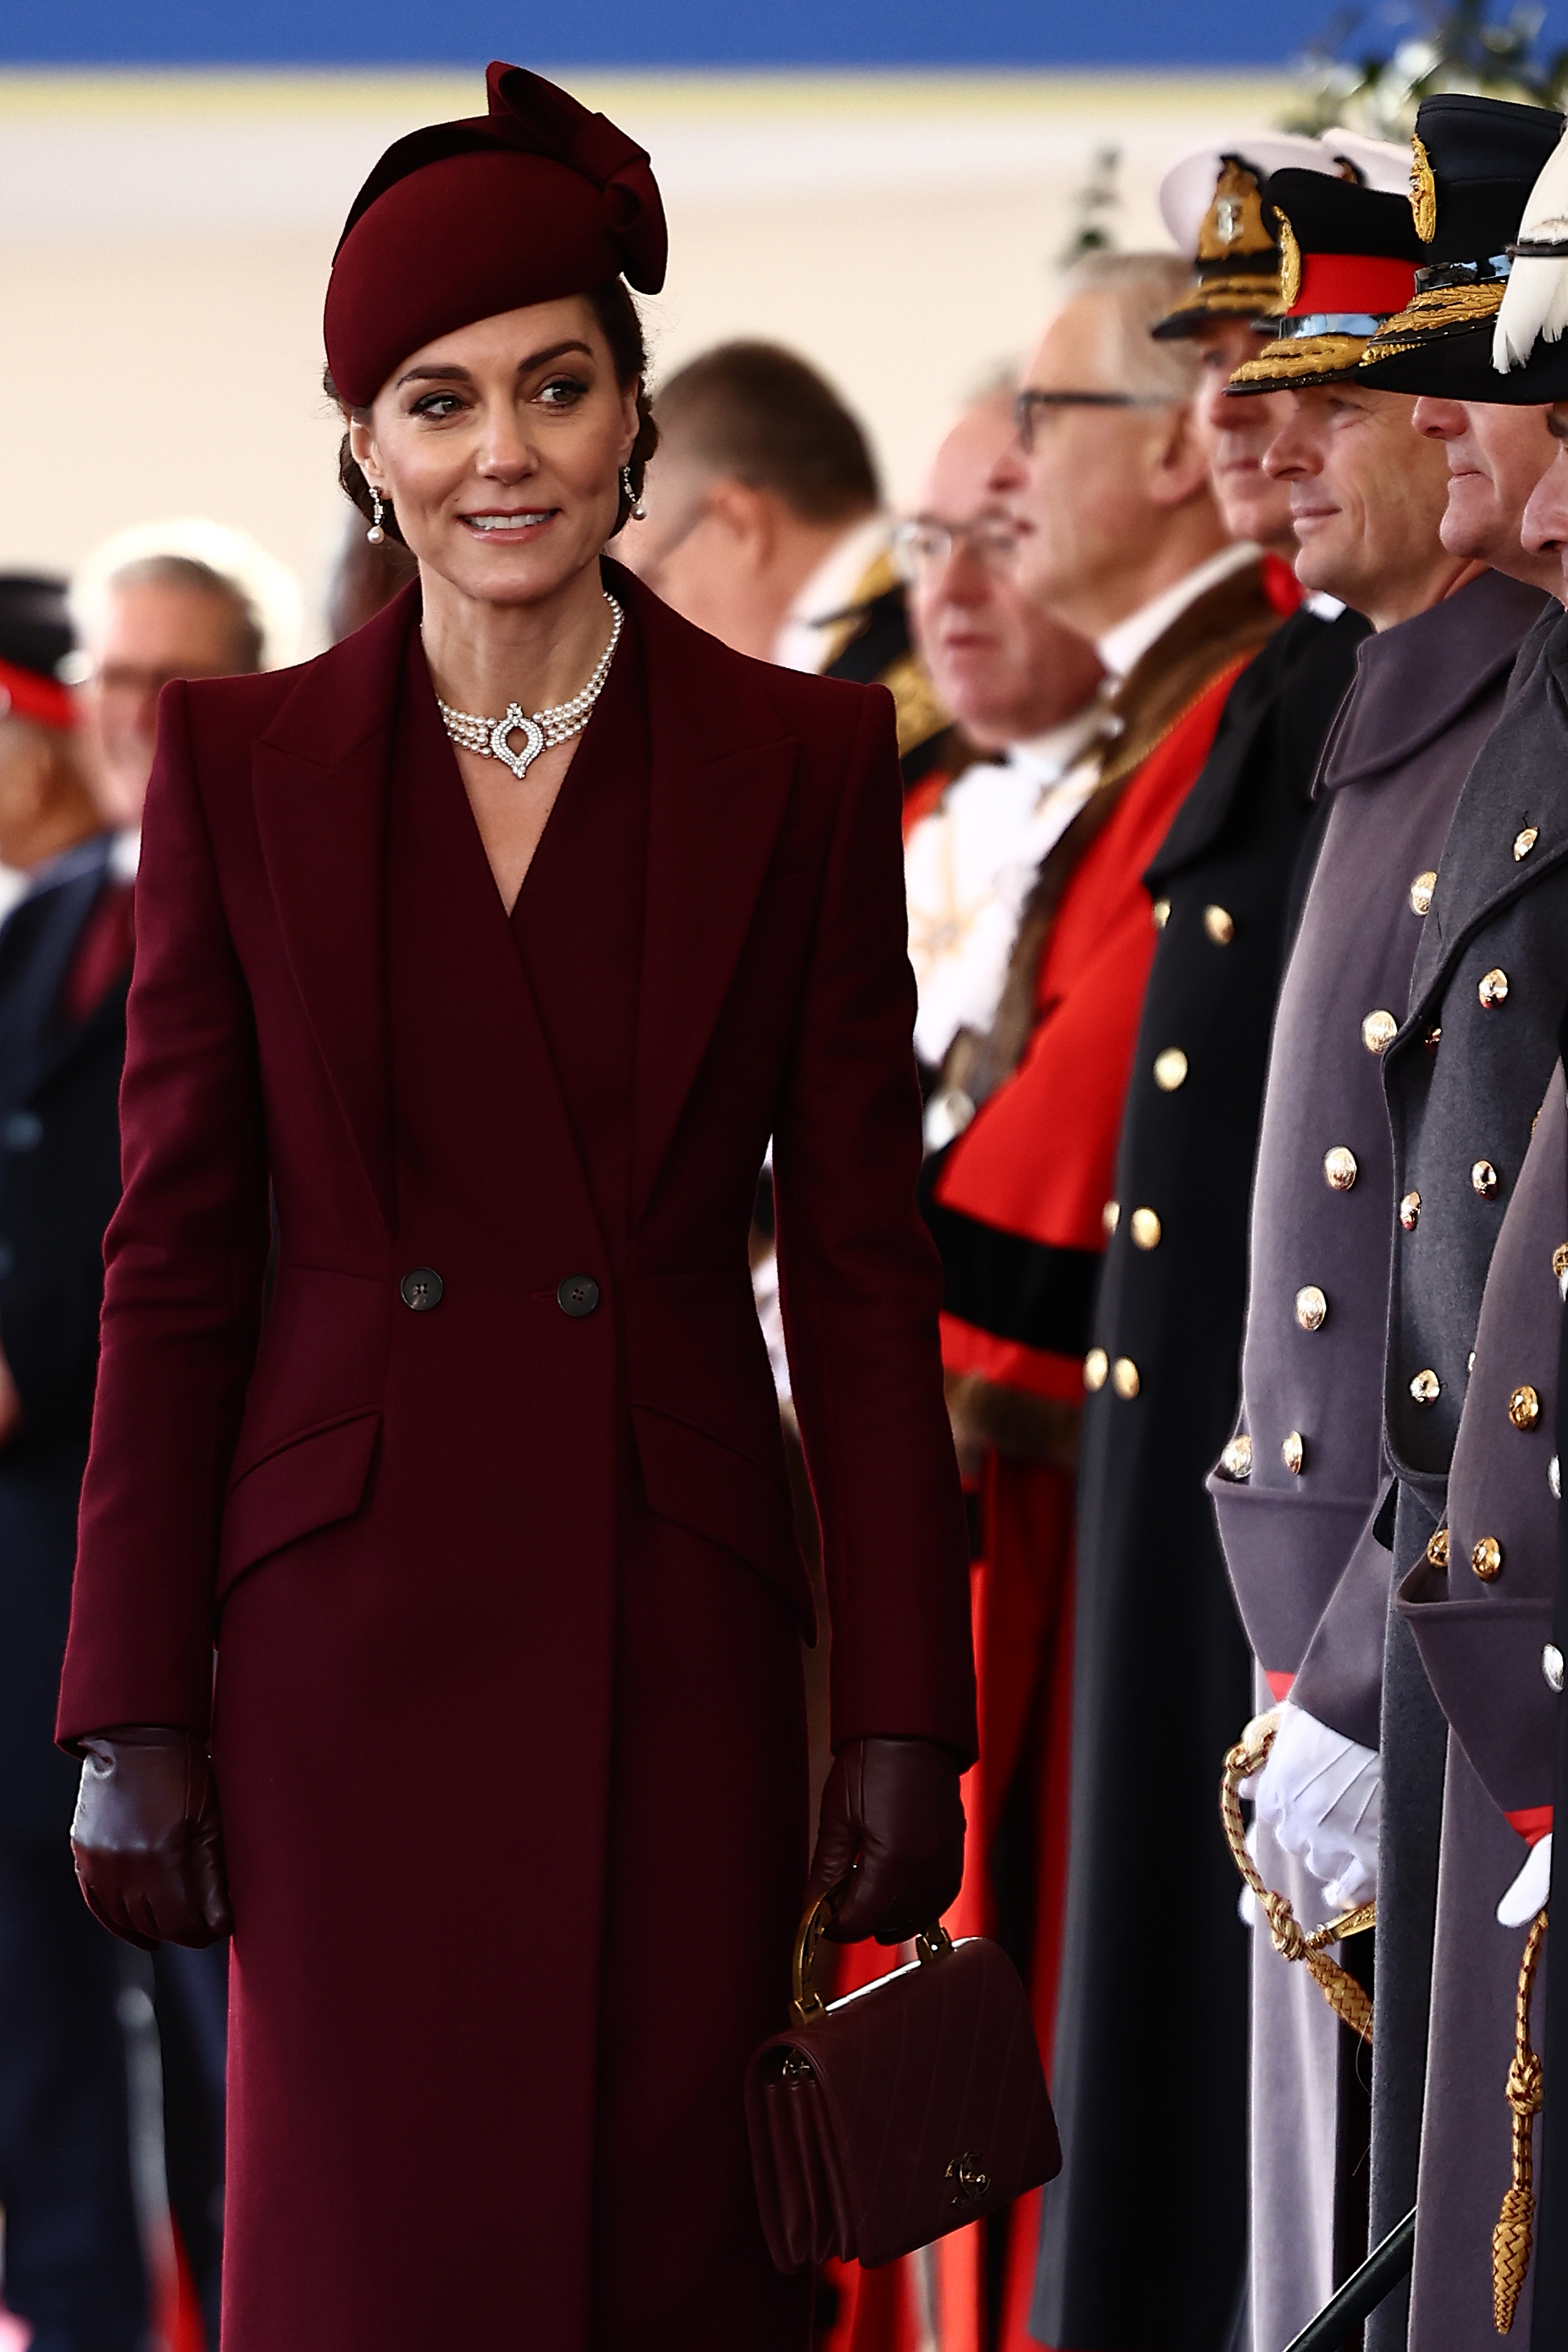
x: 1341, y: 1677
x: 185, y: 1256
x: 860, y: 1287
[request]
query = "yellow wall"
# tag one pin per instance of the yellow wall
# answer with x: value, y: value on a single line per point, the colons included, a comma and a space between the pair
x: 164, y: 242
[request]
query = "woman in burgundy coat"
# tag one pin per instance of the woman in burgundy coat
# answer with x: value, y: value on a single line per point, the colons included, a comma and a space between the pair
x: 483, y: 1503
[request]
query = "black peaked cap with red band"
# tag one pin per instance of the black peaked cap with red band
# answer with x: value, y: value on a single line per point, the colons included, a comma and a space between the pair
x: 35, y: 640
x: 533, y: 200
x: 1481, y: 157
x: 1350, y: 257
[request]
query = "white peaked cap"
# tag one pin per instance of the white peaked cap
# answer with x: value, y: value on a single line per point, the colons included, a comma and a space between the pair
x: 1187, y: 189
x: 1535, y: 299
x: 268, y: 585
x: 1382, y: 165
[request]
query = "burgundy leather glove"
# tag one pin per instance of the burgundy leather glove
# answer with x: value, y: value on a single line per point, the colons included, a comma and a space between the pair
x: 146, y: 1840
x: 892, y: 1810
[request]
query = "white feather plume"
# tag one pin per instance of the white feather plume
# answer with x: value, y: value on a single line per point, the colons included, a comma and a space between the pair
x: 1535, y: 299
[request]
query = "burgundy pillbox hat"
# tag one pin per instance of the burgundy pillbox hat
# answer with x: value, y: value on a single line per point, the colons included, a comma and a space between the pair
x: 533, y: 200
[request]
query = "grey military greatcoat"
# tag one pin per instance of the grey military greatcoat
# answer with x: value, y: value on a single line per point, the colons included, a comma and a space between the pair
x: 1480, y: 1606
x: 1463, y: 1079
x: 1300, y: 1486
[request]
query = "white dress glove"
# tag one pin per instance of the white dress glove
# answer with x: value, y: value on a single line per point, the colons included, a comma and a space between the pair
x: 1529, y: 1889
x: 1321, y: 1794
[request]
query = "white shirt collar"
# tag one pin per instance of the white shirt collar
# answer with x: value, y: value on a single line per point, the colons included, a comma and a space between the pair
x: 1052, y: 754
x: 805, y: 638
x: 1122, y: 648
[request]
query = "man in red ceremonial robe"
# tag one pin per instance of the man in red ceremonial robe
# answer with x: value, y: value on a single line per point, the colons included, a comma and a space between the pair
x: 1120, y: 539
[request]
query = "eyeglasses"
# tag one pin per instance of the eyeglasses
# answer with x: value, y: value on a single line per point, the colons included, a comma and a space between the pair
x: 921, y: 545
x: 1027, y: 402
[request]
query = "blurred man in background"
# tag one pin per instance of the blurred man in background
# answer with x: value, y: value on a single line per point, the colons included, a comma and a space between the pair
x: 765, y: 526
x: 74, y: 2266
x: 1024, y: 692
x: 157, y: 617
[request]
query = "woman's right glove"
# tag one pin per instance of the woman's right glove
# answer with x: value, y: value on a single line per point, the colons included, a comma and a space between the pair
x: 891, y: 1813
x: 146, y: 1840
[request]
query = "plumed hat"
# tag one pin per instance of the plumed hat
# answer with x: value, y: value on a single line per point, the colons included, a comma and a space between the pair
x: 36, y: 644
x: 1211, y: 200
x: 533, y: 200
x: 1528, y: 341
x: 1349, y: 256
x: 1476, y: 161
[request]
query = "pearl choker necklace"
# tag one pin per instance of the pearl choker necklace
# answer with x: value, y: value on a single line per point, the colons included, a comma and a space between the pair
x: 488, y: 737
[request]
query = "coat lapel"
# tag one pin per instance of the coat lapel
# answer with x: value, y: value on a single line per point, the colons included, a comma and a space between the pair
x: 321, y: 774
x: 722, y: 766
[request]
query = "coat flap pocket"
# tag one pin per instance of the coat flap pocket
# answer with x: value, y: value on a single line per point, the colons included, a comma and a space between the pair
x: 314, y: 1480
x: 703, y: 1484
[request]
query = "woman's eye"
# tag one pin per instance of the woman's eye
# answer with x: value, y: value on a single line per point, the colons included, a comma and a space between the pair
x: 562, y: 392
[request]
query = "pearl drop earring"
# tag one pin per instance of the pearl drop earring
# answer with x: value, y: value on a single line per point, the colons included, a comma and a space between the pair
x: 375, y: 533
x: 640, y: 512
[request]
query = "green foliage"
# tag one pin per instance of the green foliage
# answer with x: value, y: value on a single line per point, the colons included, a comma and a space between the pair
x: 1458, y: 48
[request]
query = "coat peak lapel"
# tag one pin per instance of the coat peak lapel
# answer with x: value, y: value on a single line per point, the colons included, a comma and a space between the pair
x: 721, y: 769
x: 320, y: 772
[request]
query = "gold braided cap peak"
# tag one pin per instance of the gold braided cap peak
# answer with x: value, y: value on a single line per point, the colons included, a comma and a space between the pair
x: 1313, y: 359
x: 1441, y: 311
x: 1245, y: 296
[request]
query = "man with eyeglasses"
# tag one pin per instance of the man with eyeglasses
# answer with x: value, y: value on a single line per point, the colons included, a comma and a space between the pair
x: 1122, y: 540
x: 1162, y: 1670
x: 1024, y: 690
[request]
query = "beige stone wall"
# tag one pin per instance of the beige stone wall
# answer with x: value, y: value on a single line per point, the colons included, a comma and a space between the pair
x: 164, y: 242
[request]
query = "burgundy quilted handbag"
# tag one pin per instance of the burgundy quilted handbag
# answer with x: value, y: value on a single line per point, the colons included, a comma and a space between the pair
x: 882, y: 2121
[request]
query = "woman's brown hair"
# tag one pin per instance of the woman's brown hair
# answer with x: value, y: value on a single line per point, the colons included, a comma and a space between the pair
x: 621, y: 325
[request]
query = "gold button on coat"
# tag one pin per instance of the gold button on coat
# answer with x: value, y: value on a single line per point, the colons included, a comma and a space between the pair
x: 1554, y: 1478
x: 1426, y: 1388
x: 1220, y: 925
x: 1487, y: 1558
x: 1438, y: 1549
x: 1162, y: 913
x: 1145, y: 1229
x: 1378, y: 1032
x: 1096, y: 1365
x: 1293, y: 1454
x: 1236, y: 1462
x: 1492, y: 987
x: 1340, y: 1171
x: 1170, y: 1069
x: 1410, y: 1211
x: 1559, y: 1263
x: 1311, y: 1307
x: 1110, y: 1216
x: 1483, y: 1180
x: 1523, y: 843
x: 1524, y: 1407
x: 1124, y: 1378
x: 1551, y: 1666
x: 1421, y: 891
x: 1433, y: 1037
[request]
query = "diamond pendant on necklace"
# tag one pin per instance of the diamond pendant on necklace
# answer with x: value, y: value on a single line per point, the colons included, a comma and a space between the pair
x: 517, y: 722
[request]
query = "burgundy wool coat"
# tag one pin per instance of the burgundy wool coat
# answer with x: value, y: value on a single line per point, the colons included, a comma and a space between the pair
x: 499, y: 1566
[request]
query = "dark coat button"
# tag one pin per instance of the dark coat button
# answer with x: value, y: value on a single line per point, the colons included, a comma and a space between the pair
x: 421, y: 1289
x: 578, y: 1295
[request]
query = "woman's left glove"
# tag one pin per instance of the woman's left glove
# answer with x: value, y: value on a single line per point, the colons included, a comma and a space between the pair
x: 146, y: 1840
x: 892, y: 1816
